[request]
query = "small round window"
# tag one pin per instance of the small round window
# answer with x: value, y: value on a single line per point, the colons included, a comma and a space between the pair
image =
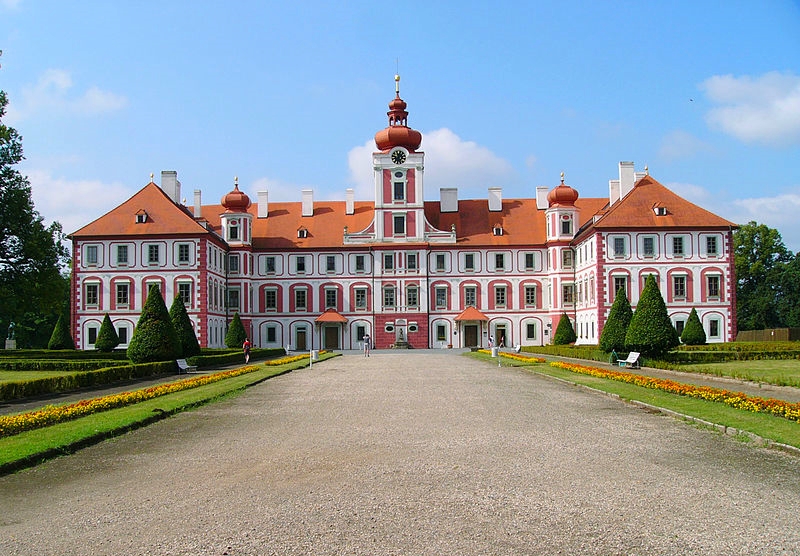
x: 412, y: 328
x: 398, y: 174
x: 389, y: 328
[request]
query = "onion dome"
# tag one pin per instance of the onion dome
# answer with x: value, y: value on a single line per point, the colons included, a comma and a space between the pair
x: 236, y: 201
x: 398, y: 134
x: 562, y: 195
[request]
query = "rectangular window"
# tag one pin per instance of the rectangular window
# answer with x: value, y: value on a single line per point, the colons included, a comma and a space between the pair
x: 271, y: 299
x: 92, y: 335
x: 185, y: 292
x: 567, y: 258
x: 399, y: 225
x: 711, y: 246
x: 300, y: 299
x: 360, y: 263
x: 399, y: 191
x: 529, y: 261
x: 233, y: 230
x: 713, y: 286
x: 530, y: 331
x: 568, y: 294
x: 92, y: 295
x: 300, y: 265
x: 566, y: 227
x: 619, y: 246
x: 499, y: 261
x: 272, y: 334
x: 388, y: 261
x: 677, y: 246
x: 440, y: 262
x: 441, y: 298
x: 500, y: 296
x: 122, y: 255
x: 270, y: 265
x: 679, y: 286
x: 361, y: 299
x: 122, y: 334
x: 620, y: 283
x: 123, y: 291
x: 530, y: 296
x: 361, y: 331
x: 152, y: 254
x: 648, y: 247
x: 412, y: 297
x: 389, y: 298
x: 470, y: 296
x: 183, y: 253
x: 233, y: 298
x: 233, y: 264
x: 411, y: 261
x: 469, y: 262
x: 713, y: 328
x: 330, y: 263
x: 441, y: 333
x: 91, y: 255
x: 331, y: 298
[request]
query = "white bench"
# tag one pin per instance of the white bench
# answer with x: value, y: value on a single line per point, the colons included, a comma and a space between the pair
x: 184, y: 367
x: 632, y: 362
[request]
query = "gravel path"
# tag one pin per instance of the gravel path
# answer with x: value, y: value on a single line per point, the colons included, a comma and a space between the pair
x: 408, y: 454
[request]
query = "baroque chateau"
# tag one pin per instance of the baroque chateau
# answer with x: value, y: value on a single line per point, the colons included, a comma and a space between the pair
x: 408, y: 272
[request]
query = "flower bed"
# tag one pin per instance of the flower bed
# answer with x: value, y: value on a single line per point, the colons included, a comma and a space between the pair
x: 738, y: 400
x: 52, y: 415
x: 514, y: 356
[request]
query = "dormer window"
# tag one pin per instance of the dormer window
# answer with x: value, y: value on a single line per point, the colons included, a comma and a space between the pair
x: 302, y: 233
x: 497, y: 230
x: 660, y: 211
x: 141, y: 216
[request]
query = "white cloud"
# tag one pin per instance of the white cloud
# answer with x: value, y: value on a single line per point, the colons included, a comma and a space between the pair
x: 694, y: 193
x: 53, y: 95
x: 10, y: 4
x: 450, y: 162
x: 763, y: 109
x: 680, y: 144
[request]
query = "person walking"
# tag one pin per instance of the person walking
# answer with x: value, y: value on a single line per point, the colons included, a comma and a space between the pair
x: 367, y: 346
x: 246, y: 348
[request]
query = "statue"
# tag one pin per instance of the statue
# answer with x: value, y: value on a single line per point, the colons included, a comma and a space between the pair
x: 11, y: 333
x: 401, y: 334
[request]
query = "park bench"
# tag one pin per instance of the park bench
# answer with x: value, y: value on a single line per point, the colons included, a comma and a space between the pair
x: 632, y: 362
x: 184, y: 367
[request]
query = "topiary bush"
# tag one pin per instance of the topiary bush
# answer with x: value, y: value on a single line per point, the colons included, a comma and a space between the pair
x: 107, y: 338
x: 693, y: 333
x: 61, y: 337
x: 236, y: 333
x: 612, y: 338
x: 565, y: 333
x: 184, y: 328
x: 154, y: 338
x: 651, y: 332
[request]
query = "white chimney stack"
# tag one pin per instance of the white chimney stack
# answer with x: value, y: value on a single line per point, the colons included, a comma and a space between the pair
x: 448, y: 199
x: 495, y: 199
x: 627, y: 175
x: 613, y: 191
x: 263, y: 203
x: 170, y: 185
x: 349, y: 201
x: 197, y: 203
x: 308, y: 202
x: 541, y: 197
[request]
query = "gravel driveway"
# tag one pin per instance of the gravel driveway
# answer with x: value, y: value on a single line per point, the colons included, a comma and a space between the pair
x: 409, y: 453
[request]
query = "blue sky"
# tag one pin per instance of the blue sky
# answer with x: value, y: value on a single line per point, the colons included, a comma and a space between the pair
x: 288, y: 95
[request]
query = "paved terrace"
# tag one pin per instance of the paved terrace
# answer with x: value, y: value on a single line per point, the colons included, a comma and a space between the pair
x: 409, y: 453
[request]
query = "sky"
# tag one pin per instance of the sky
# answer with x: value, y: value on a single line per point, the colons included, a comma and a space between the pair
x: 289, y: 95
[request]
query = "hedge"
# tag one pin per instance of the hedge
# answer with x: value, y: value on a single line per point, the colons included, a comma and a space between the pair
x: 236, y: 356
x: 61, y: 354
x: 57, y: 364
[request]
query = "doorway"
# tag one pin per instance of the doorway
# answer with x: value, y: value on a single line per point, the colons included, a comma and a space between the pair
x: 300, y: 338
x: 500, y: 335
x: 331, y: 337
x: 470, y: 335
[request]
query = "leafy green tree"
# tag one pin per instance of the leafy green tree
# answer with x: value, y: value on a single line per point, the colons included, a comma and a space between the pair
x: 651, y: 331
x: 789, y: 298
x: 32, y: 287
x: 236, y: 333
x: 565, y: 333
x: 760, y: 258
x: 61, y: 338
x: 184, y: 328
x: 154, y: 338
x: 612, y: 338
x: 107, y: 338
x: 693, y: 333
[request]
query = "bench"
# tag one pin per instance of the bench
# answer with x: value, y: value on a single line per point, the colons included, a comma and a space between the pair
x: 184, y: 367
x: 632, y: 362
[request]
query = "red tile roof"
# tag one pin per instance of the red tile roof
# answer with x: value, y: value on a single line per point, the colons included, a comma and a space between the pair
x: 330, y: 315
x: 471, y: 313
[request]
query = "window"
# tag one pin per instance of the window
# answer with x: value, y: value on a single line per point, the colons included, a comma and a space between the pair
x: 411, y: 261
x: 679, y: 286
x: 566, y: 226
x: 301, y: 299
x: 530, y: 296
x: 499, y: 261
x: 233, y: 230
x: 361, y: 331
x: 713, y: 328
x: 412, y: 296
x: 711, y: 246
x: 440, y: 262
x: 360, y: 263
x: 330, y: 263
x: 677, y: 246
x: 567, y: 258
x: 469, y: 262
x: 470, y: 296
x: 361, y: 299
x: 233, y: 298
x: 233, y: 263
x: 185, y: 293
x: 529, y: 261
x: 122, y: 255
x: 122, y: 334
x: 568, y: 294
x: 152, y: 254
x: 331, y: 298
x: 183, y: 253
x: 92, y: 335
x: 272, y: 334
x: 713, y: 286
x: 441, y: 333
x: 388, y: 261
x: 399, y: 191
x: 620, y: 283
x: 497, y: 230
x: 92, y: 295
x: 530, y: 331
x: 141, y: 217
x: 123, y: 295
x: 441, y: 297
x: 399, y: 224
x: 648, y: 247
x: 500, y: 296
x: 270, y: 265
x: 619, y: 247
x: 271, y: 299
x: 389, y: 297
x: 91, y: 255
x: 300, y: 265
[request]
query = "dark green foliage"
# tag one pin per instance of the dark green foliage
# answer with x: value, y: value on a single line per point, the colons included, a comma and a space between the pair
x: 650, y: 331
x: 32, y: 287
x: 693, y: 333
x: 236, y: 333
x: 616, y: 327
x: 184, y: 328
x: 61, y: 337
x: 107, y: 338
x: 154, y: 338
x: 565, y: 334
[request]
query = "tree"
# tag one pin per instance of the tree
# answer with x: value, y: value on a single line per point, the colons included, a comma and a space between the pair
x: 651, y: 331
x: 565, y: 333
x: 760, y: 258
x: 61, y: 338
x: 612, y: 338
x: 236, y: 333
x: 693, y: 333
x: 789, y: 298
x: 107, y: 338
x: 184, y: 328
x: 154, y: 338
x: 32, y: 287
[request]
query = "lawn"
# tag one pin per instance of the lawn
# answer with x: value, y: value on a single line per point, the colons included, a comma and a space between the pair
x: 17, y: 376
x: 782, y: 372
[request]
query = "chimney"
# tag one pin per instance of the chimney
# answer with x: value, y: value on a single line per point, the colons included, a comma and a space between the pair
x: 613, y: 191
x: 308, y: 202
x: 495, y: 199
x: 448, y: 199
x: 626, y: 178
x: 263, y: 204
x: 170, y: 185
x: 541, y: 197
x: 197, y: 204
x: 349, y: 201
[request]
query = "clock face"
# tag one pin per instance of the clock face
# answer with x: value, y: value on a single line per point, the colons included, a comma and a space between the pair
x: 398, y: 157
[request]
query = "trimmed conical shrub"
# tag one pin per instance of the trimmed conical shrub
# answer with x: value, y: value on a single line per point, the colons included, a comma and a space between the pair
x: 693, y: 333
x: 236, y: 333
x: 154, y: 338
x: 61, y: 337
x: 565, y: 333
x: 651, y: 331
x: 107, y: 338
x: 616, y: 327
x: 184, y: 328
